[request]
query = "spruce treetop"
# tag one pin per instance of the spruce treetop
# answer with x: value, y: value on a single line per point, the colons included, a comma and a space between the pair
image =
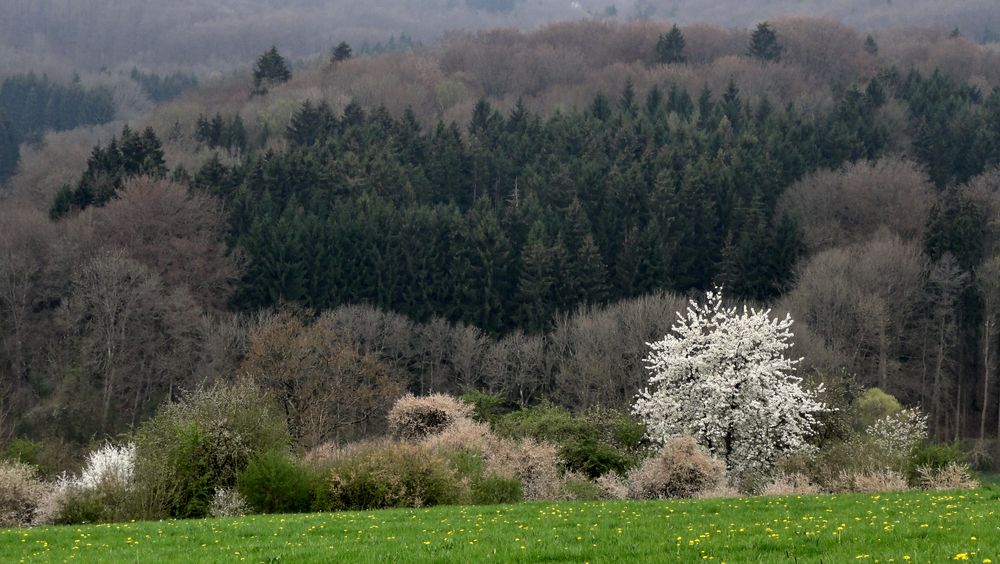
x: 764, y: 44
x: 271, y: 68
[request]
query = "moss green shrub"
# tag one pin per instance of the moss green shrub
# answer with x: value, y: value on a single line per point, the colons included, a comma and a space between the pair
x: 873, y: 405
x: 391, y: 474
x: 595, y: 443
x: 592, y: 457
x: 580, y: 488
x: 494, y: 490
x: 274, y: 483
x: 931, y: 458
x: 486, y: 407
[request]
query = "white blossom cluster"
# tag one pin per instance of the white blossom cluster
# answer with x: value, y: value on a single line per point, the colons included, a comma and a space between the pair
x: 723, y: 377
x: 109, y: 465
x: 107, y: 469
x: 898, y: 433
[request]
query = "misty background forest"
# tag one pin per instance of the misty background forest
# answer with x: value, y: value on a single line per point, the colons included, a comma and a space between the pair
x: 500, y: 197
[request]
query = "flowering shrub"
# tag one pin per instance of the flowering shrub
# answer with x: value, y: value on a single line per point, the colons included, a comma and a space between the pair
x: 413, y: 417
x: 614, y: 486
x: 869, y: 481
x: 99, y: 493
x: 534, y: 464
x: 463, y: 434
x: 109, y: 466
x: 952, y: 476
x: 390, y: 474
x: 791, y: 484
x: 682, y: 469
x: 228, y: 503
x: 899, y: 432
x: 20, y: 494
x: 723, y: 377
x: 54, y: 500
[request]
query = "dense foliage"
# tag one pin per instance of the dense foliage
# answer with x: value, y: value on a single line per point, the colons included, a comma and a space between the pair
x: 524, y: 217
x: 520, y: 217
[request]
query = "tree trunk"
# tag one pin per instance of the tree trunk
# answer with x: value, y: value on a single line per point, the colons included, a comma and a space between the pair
x: 987, y: 325
x: 938, y: 368
x: 883, y: 357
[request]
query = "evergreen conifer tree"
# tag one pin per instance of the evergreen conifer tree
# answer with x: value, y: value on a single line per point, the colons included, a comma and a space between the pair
x: 9, y: 149
x: 764, y: 44
x: 341, y: 52
x: 670, y: 47
x: 871, y: 46
x: 270, y: 69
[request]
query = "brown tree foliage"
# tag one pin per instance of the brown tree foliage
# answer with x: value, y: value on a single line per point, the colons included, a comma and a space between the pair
x: 328, y: 391
x: 175, y: 233
x: 861, y: 301
x: 848, y: 206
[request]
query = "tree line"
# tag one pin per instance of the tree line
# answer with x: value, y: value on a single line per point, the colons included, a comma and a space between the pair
x: 517, y: 217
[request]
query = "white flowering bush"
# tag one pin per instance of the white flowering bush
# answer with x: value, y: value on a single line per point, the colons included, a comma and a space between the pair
x: 108, y: 466
x: 228, y: 503
x: 723, y: 377
x: 98, y: 493
x: 898, y: 433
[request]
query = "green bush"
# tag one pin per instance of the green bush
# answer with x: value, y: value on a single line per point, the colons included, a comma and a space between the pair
x: 858, y: 455
x: 548, y: 423
x: 191, y: 448
x: 486, y: 408
x: 20, y: 494
x: 628, y: 433
x: 468, y: 464
x: 873, y: 405
x: 393, y: 475
x: 81, y: 507
x: 583, y: 490
x: 494, y: 490
x: 933, y: 456
x: 594, y: 444
x: 593, y: 458
x: 47, y: 457
x: 273, y: 483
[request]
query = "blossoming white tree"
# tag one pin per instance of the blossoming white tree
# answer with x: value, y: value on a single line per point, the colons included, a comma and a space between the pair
x: 723, y: 377
x: 898, y: 433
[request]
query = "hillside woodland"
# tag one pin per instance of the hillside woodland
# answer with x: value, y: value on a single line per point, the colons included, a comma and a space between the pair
x: 88, y: 35
x: 510, y: 216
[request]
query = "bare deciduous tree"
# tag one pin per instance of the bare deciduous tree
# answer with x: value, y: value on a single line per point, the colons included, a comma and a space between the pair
x: 861, y: 300
x: 177, y: 234
x: 328, y: 390
x: 850, y: 205
x: 110, y: 295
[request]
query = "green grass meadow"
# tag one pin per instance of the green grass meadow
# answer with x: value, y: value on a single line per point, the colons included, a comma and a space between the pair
x: 893, y: 527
